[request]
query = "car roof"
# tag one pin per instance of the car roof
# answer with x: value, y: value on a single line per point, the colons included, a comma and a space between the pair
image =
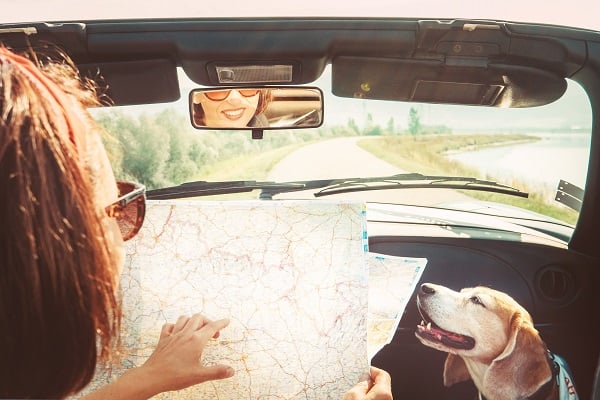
x: 142, y: 55
x: 138, y: 58
x: 575, y: 13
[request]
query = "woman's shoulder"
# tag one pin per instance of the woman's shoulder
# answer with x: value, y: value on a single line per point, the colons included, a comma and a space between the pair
x: 259, y: 121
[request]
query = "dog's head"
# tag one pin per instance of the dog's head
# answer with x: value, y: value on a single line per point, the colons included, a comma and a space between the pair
x: 485, y: 327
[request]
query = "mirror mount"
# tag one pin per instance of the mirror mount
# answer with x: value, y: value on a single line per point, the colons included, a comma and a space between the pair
x: 257, y: 133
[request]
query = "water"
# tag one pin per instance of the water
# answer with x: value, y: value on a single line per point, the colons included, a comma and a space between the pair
x: 545, y: 162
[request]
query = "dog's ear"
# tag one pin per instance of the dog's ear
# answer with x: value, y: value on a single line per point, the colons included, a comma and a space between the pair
x: 455, y: 370
x: 522, y: 368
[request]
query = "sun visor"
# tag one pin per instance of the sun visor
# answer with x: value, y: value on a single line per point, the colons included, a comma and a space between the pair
x: 434, y: 81
x: 135, y: 82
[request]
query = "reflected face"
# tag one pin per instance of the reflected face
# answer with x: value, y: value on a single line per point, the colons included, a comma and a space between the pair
x: 228, y: 108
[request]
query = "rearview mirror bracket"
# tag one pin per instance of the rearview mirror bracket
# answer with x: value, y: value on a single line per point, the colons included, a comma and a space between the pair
x: 257, y: 133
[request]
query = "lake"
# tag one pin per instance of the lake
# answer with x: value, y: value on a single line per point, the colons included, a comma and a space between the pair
x: 554, y: 157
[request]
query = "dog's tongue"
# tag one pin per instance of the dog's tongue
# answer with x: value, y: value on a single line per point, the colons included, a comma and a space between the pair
x: 451, y: 339
x: 456, y: 340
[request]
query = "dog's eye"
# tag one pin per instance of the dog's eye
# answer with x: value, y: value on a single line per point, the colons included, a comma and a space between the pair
x: 476, y: 300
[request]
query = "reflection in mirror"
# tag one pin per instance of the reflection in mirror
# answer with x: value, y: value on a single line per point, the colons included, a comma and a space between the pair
x: 256, y: 107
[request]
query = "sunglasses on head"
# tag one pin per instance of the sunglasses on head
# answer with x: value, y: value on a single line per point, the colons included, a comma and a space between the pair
x: 129, y: 209
x: 220, y: 95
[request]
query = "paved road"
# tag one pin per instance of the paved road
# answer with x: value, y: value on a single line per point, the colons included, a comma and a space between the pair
x: 342, y: 158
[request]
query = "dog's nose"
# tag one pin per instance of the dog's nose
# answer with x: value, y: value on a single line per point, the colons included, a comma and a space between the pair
x: 427, y: 289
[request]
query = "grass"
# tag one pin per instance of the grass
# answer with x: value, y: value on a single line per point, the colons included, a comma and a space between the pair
x: 425, y: 154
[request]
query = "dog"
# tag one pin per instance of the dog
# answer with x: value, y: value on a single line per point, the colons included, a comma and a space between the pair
x: 490, y: 339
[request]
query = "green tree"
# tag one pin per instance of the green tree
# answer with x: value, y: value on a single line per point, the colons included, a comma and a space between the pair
x: 371, y: 128
x: 148, y: 157
x: 414, y: 121
x: 180, y: 163
x: 391, y: 127
x: 353, y: 126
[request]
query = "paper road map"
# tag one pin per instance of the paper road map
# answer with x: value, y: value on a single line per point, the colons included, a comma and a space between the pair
x: 295, y: 279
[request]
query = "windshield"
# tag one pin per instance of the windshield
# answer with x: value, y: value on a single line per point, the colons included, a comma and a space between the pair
x: 531, y: 149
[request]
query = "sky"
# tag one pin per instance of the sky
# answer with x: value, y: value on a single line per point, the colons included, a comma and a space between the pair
x: 579, y: 13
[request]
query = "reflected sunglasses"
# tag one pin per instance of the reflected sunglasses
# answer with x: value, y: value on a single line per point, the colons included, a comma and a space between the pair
x: 129, y: 209
x: 220, y: 95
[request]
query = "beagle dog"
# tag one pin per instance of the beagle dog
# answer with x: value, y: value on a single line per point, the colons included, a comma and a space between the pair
x: 491, y: 340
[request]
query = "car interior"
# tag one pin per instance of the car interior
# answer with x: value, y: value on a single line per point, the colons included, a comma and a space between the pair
x: 481, y: 63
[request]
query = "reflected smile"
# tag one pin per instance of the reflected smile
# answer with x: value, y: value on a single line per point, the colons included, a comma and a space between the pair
x: 233, y: 114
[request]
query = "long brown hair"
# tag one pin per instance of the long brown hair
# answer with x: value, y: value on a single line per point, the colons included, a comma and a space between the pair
x: 59, y: 307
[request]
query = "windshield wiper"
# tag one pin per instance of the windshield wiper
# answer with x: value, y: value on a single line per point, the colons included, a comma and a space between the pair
x: 333, y: 186
x: 204, y: 188
x: 418, y: 181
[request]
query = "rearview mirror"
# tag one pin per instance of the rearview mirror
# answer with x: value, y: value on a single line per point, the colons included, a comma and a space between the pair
x: 256, y: 107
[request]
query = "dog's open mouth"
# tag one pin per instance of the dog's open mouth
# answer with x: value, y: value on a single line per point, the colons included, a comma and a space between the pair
x: 433, y: 333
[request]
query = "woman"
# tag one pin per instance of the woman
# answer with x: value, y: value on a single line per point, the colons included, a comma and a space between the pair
x: 64, y: 220
x: 231, y: 108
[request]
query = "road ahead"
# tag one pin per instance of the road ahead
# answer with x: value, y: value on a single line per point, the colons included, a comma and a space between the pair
x: 342, y: 158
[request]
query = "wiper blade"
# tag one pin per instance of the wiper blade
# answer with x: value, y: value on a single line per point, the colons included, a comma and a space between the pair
x: 332, y: 186
x: 418, y: 181
x: 204, y: 188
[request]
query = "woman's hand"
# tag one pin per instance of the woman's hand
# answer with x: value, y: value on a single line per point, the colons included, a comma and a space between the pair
x: 377, y: 386
x: 175, y: 363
